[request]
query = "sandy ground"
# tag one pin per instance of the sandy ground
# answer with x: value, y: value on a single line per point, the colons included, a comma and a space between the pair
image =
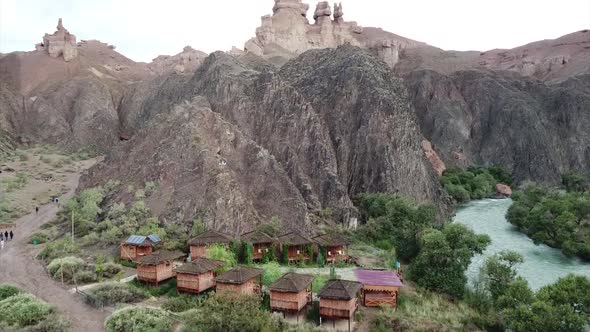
x: 19, y: 266
x: 46, y: 174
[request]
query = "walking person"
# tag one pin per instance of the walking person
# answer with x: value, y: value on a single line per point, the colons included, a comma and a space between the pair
x: 6, y: 235
x: 36, y: 209
x: 11, y: 235
x: 1, y: 235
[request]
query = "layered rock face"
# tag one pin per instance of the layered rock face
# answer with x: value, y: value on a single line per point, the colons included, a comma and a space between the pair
x: 535, y: 130
x: 336, y: 121
x: 205, y: 167
x: 288, y: 33
x: 60, y: 43
x: 186, y: 61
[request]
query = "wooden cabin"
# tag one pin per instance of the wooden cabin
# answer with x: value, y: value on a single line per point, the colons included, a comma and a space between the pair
x: 240, y: 280
x: 380, y: 287
x: 296, y: 244
x: 197, y: 276
x: 339, y: 300
x: 138, y: 246
x: 200, y: 243
x: 334, y: 246
x: 291, y: 293
x: 261, y: 242
x: 158, y: 266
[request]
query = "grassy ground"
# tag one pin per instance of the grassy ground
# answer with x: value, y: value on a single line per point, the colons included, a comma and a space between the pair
x: 32, y: 177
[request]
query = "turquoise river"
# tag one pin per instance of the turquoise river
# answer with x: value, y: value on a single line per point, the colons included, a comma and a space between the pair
x: 542, y: 265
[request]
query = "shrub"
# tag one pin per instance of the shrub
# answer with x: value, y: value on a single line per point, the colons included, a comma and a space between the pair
x: 184, y: 302
x: 24, y: 310
x: 113, y: 293
x: 59, y: 248
x: 272, y: 273
x: 66, y: 268
x: 220, y: 252
x: 111, y: 269
x: 231, y: 313
x: 165, y: 288
x: 138, y: 319
x: 7, y: 291
x: 84, y: 277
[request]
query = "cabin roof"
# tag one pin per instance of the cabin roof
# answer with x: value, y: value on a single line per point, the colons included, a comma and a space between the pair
x: 292, y: 282
x: 210, y: 237
x: 256, y: 237
x: 331, y: 239
x: 200, y: 265
x: 294, y: 239
x: 159, y: 257
x: 378, y: 278
x: 239, y: 275
x: 143, y: 241
x: 340, y: 289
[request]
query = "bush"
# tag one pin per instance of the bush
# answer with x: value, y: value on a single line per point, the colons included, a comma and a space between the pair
x: 24, y: 310
x: 65, y: 269
x: 272, y: 273
x: 113, y: 293
x: 111, y: 269
x: 555, y: 218
x: 166, y: 288
x: 221, y: 253
x: 136, y: 319
x: 85, y: 277
x: 444, y: 258
x: 473, y: 183
x: 184, y: 302
x: 58, y: 248
x: 7, y: 291
x: 231, y: 313
x: 393, y: 220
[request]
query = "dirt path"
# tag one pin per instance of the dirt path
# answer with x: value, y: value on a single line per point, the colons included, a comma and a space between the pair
x: 19, y: 266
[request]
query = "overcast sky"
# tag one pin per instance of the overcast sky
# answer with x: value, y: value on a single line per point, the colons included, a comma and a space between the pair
x: 143, y: 29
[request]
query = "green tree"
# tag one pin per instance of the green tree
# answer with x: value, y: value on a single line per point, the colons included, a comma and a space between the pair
x: 221, y: 253
x: 576, y: 182
x: 248, y: 252
x: 498, y: 271
x: 572, y: 290
x: 541, y: 316
x: 444, y: 258
x: 394, y: 220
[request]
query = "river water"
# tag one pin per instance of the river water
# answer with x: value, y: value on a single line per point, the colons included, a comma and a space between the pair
x: 542, y: 264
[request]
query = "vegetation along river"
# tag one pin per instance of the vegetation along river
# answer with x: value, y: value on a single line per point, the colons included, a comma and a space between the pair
x: 542, y: 264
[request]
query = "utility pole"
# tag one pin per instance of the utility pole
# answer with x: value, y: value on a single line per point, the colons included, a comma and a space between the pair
x: 72, y: 226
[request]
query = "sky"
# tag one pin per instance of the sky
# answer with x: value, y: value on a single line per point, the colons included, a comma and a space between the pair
x: 144, y: 29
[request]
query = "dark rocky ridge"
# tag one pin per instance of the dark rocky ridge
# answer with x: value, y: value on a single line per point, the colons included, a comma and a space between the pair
x: 534, y: 129
x: 337, y: 122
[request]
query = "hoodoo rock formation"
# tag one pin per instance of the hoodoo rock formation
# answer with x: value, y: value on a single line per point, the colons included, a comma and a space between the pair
x: 60, y: 43
x: 185, y: 62
x: 288, y: 33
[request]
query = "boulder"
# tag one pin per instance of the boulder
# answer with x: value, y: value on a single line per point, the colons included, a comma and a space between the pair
x: 503, y: 190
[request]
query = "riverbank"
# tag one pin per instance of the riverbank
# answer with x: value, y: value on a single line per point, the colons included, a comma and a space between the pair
x: 542, y: 265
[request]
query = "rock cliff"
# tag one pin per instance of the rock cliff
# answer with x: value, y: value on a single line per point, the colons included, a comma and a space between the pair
x: 534, y: 129
x: 288, y: 33
x: 336, y: 121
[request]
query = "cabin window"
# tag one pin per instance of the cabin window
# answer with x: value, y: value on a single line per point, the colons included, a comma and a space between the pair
x: 339, y: 252
x: 259, y: 250
x: 266, y: 249
x: 298, y: 252
x: 329, y: 253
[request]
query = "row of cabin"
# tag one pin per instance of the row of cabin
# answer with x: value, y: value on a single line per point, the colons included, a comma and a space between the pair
x: 333, y: 245
x: 290, y: 294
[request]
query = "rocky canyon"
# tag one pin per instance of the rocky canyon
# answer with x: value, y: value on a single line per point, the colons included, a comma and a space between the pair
x: 303, y: 119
